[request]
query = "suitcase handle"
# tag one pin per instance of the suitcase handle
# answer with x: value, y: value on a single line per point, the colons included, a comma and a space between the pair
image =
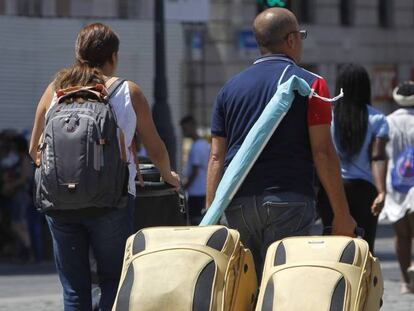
x: 359, y: 232
x: 183, y: 202
x: 162, y: 185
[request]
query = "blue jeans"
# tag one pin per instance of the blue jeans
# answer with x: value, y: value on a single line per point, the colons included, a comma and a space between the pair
x: 106, y: 235
x: 274, y: 215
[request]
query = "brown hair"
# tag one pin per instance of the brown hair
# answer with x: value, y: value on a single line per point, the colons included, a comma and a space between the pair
x: 95, y: 45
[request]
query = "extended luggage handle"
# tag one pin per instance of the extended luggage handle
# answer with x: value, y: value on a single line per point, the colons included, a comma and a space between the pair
x: 359, y: 232
x: 182, y: 200
x: 183, y: 203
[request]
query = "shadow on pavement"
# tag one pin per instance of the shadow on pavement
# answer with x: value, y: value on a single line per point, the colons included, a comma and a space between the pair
x: 385, y: 231
x: 27, y: 269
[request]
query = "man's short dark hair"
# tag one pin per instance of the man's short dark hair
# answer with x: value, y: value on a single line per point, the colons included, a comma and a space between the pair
x: 187, y: 119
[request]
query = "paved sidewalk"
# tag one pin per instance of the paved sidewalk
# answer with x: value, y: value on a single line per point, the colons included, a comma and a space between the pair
x: 393, y: 300
x: 36, y: 287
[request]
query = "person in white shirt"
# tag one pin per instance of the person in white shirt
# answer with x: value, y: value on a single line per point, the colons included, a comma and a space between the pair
x: 196, y: 170
x: 105, y: 230
x: 399, y: 202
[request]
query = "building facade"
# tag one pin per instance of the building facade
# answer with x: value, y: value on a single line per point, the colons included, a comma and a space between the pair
x: 38, y: 37
x: 375, y: 33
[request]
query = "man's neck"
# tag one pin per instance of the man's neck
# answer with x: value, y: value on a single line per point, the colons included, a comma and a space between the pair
x: 281, y: 54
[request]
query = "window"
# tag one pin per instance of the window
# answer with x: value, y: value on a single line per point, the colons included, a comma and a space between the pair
x: 346, y: 12
x: 22, y: 7
x: 303, y: 11
x: 29, y: 7
x: 63, y: 8
x: 2, y: 7
x: 129, y: 8
x: 385, y: 13
x: 123, y: 8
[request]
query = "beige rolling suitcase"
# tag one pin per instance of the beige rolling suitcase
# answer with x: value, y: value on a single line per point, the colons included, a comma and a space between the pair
x: 330, y: 273
x: 186, y: 269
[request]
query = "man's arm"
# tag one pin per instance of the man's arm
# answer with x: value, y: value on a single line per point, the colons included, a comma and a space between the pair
x: 328, y: 169
x: 215, y: 167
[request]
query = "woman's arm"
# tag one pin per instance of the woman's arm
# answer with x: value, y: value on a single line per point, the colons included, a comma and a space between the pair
x: 149, y: 137
x: 379, y: 171
x: 39, y: 120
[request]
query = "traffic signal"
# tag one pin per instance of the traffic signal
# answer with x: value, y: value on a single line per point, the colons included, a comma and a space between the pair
x: 264, y: 4
x: 273, y: 3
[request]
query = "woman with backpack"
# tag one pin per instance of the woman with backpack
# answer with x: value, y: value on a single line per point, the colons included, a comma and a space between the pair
x: 360, y: 133
x: 399, y: 203
x: 83, y: 131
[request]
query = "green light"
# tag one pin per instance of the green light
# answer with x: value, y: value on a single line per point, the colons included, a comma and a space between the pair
x: 273, y: 3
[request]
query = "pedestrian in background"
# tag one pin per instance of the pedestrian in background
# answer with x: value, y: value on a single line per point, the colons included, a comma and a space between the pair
x: 399, y: 202
x: 104, y: 229
x: 16, y: 175
x: 276, y: 200
x: 196, y: 169
x: 360, y: 134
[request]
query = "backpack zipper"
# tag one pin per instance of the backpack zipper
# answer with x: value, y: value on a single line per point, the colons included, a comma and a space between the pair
x: 98, y: 149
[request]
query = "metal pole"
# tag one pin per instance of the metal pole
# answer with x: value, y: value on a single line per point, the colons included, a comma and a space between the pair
x: 161, y: 111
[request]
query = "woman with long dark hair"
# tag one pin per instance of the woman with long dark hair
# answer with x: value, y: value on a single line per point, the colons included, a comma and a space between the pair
x: 104, y: 229
x: 360, y: 133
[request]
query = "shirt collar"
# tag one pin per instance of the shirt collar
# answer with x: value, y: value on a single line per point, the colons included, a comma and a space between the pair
x: 272, y: 57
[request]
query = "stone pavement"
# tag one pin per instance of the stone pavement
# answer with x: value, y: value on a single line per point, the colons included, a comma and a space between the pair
x: 36, y: 287
x: 393, y: 300
x: 29, y: 288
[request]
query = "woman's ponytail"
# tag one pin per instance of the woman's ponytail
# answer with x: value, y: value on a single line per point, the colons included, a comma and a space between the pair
x: 80, y: 74
x: 95, y: 45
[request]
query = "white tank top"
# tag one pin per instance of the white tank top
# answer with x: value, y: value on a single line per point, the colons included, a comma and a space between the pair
x: 127, y: 121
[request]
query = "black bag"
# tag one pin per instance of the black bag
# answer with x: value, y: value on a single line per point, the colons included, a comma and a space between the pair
x: 158, y: 203
x: 82, y: 161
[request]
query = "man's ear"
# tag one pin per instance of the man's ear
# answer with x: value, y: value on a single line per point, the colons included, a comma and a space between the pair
x: 290, y: 41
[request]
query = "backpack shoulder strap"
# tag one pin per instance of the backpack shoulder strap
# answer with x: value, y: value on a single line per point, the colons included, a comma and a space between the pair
x: 113, y: 87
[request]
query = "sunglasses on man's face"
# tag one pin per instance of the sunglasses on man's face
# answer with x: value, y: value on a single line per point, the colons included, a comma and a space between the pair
x: 303, y: 34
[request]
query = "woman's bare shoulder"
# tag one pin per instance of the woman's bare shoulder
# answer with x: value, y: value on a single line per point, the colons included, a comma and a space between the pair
x: 47, y: 97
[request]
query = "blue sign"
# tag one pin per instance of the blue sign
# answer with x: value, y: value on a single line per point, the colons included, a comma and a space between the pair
x: 247, y: 40
x: 247, y: 44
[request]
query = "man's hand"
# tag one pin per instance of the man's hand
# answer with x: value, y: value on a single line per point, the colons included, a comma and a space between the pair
x: 344, y: 225
x: 378, y: 204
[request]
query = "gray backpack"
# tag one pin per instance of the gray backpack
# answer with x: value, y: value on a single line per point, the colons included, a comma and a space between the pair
x: 82, y: 161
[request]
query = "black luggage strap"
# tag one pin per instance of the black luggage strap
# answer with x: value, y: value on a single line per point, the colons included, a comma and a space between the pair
x: 114, y: 86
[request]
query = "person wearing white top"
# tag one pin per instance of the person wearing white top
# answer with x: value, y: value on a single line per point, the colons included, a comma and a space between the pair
x: 196, y: 170
x: 399, y: 206
x: 104, y: 230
